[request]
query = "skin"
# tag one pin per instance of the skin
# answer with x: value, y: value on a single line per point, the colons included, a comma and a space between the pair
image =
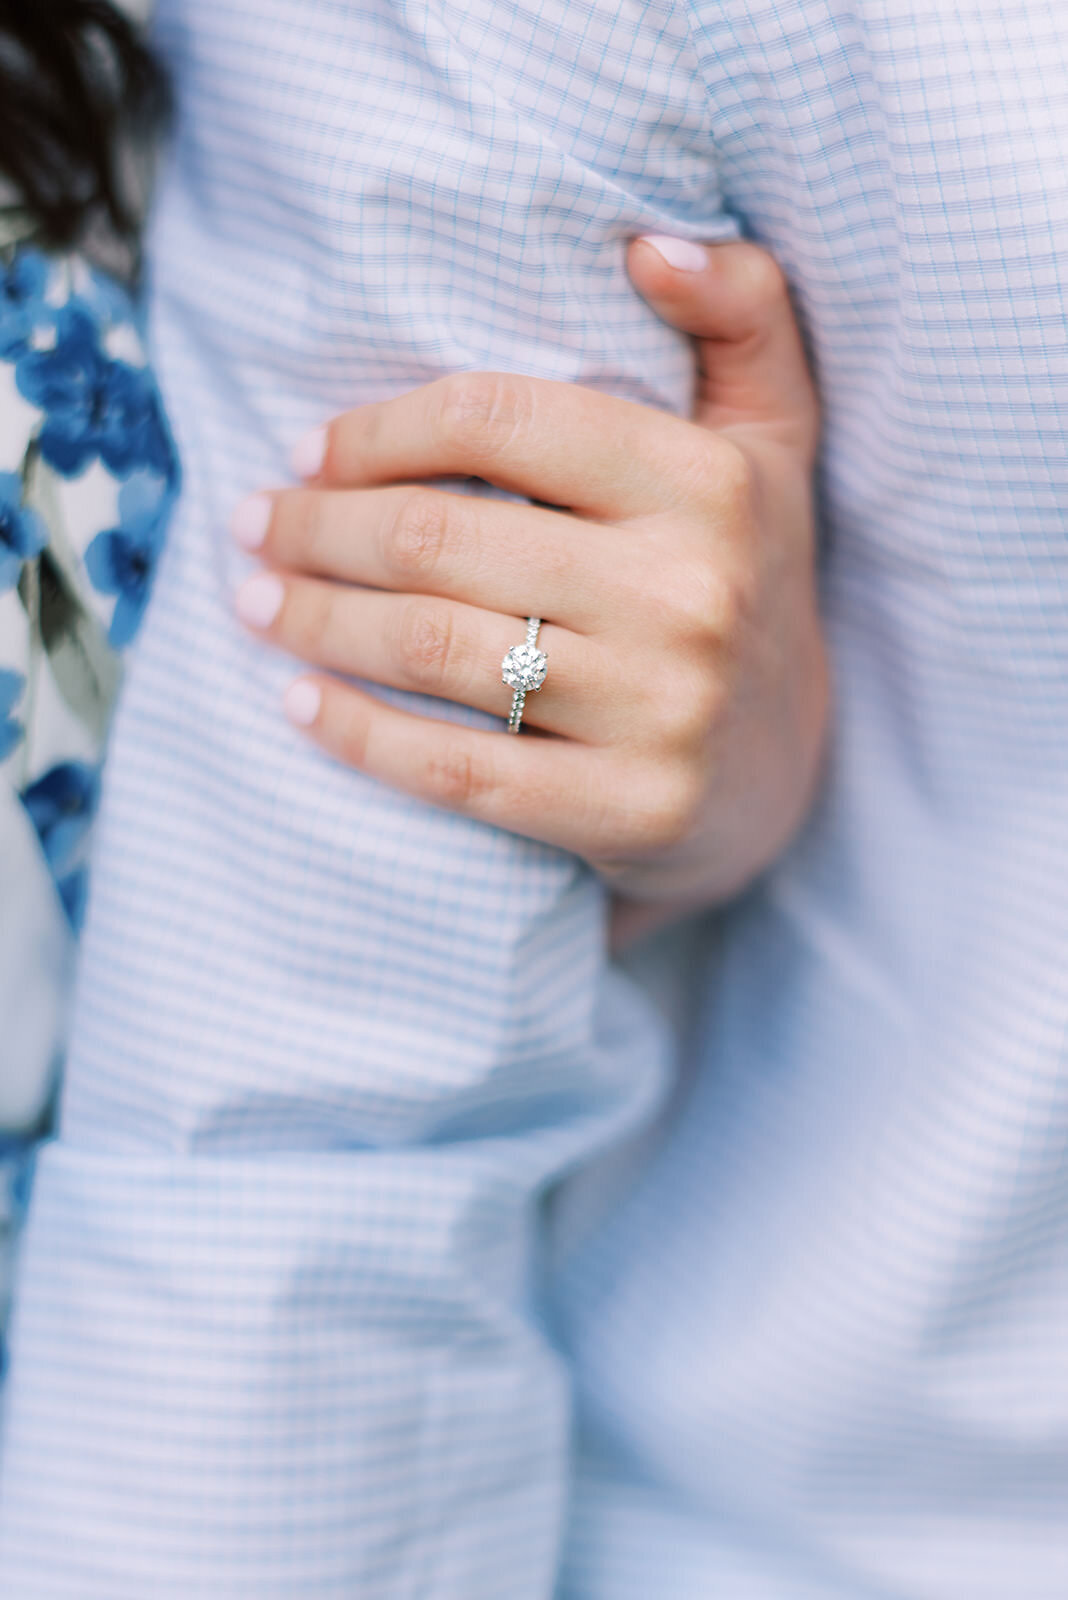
x: 676, y: 744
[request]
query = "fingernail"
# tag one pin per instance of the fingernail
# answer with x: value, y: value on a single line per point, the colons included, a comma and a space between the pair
x: 308, y: 453
x: 302, y: 701
x: 680, y: 253
x: 251, y: 520
x: 259, y: 600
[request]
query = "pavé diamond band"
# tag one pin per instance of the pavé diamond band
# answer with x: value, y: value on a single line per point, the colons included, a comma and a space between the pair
x: 523, y: 669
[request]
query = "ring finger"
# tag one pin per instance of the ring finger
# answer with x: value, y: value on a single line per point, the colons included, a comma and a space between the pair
x: 437, y: 647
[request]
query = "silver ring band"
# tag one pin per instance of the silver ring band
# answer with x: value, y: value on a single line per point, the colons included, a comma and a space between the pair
x: 523, y: 670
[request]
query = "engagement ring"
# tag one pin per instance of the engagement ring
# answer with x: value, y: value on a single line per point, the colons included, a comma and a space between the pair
x: 523, y: 669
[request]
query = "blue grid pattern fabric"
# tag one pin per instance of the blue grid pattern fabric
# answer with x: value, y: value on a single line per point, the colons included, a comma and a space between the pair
x: 287, y: 1292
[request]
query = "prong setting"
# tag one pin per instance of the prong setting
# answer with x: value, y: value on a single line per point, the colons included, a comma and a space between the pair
x: 523, y: 669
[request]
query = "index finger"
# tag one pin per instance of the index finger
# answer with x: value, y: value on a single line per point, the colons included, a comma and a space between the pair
x: 554, y: 442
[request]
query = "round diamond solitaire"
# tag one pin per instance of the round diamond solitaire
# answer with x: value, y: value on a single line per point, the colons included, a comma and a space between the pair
x: 524, y: 667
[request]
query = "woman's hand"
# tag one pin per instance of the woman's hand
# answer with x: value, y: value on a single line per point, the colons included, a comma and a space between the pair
x: 684, y: 710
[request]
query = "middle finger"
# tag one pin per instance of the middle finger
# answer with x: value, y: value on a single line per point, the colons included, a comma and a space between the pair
x: 510, y: 558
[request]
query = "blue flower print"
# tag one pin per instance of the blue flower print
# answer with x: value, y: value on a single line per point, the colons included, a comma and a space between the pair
x: 61, y: 805
x: 93, y: 405
x: 73, y: 894
x: 22, y: 303
x: 122, y: 561
x: 11, y: 687
x: 22, y: 533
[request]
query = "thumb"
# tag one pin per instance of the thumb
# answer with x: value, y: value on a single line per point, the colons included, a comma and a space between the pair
x: 733, y: 300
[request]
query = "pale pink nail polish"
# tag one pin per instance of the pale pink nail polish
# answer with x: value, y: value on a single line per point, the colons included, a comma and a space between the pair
x: 259, y: 600
x: 308, y: 453
x: 302, y: 701
x: 251, y: 520
x: 682, y: 254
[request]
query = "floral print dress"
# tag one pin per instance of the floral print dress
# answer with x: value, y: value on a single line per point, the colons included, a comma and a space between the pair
x: 88, y: 477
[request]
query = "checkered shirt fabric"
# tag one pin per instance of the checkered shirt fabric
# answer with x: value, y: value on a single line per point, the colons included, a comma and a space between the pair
x: 293, y: 1321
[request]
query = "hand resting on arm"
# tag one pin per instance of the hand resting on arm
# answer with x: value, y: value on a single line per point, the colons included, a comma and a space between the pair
x: 685, y: 706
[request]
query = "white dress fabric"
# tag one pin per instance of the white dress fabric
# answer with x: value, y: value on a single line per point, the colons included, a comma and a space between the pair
x: 284, y: 1326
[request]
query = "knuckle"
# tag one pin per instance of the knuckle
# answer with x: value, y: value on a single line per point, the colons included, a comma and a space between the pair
x: 670, y: 810
x: 717, y: 476
x: 731, y: 604
x: 304, y: 533
x: 708, y: 604
x: 424, y: 642
x: 736, y: 602
x: 690, y: 602
x: 457, y: 779
x: 310, y: 620
x: 664, y: 814
x: 765, y: 280
x: 479, y: 413
x: 690, y: 713
x: 731, y: 480
x: 352, y: 735
x: 687, y: 605
x: 417, y: 535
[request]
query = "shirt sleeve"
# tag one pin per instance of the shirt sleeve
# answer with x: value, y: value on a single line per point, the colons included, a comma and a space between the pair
x: 278, y: 1330
x: 294, y: 1360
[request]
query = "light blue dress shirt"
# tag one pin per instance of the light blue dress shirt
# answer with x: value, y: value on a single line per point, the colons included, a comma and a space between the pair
x: 292, y: 1321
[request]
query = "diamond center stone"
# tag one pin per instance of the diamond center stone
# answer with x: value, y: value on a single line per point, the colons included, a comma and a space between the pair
x: 524, y: 667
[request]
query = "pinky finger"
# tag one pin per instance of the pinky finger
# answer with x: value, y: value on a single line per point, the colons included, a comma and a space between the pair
x: 542, y: 788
